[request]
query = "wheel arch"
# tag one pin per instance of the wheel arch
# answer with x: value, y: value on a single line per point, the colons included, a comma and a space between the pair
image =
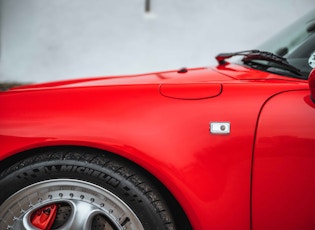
x: 180, y: 217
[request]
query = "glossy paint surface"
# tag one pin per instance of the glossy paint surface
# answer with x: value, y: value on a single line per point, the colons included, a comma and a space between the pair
x: 284, y: 160
x: 160, y: 121
x: 311, y: 81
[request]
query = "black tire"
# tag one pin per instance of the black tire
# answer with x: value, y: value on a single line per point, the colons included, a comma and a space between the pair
x: 120, y: 194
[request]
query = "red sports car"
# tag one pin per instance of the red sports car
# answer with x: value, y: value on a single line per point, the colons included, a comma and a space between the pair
x: 227, y: 147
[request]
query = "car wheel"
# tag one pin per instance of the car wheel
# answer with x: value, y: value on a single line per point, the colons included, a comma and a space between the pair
x: 80, y: 190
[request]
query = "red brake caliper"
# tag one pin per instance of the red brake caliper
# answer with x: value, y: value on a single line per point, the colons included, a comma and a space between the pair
x: 44, y: 217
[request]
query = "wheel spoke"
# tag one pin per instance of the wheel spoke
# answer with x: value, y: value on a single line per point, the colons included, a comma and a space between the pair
x: 82, y: 216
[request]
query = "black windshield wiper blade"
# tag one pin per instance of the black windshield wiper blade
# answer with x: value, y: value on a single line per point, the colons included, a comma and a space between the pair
x: 257, y: 55
x: 222, y: 56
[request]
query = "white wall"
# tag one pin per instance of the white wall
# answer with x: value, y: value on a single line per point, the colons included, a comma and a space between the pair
x: 45, y: 40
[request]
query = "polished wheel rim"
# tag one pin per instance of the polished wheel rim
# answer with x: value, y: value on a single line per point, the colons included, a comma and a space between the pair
x: 71, y: 204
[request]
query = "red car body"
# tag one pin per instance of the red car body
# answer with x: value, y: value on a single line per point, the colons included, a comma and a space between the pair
x: 259, y: 175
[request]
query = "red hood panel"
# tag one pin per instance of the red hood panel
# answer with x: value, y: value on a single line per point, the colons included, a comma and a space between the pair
x: 192, y: 75
x: 217, y: 74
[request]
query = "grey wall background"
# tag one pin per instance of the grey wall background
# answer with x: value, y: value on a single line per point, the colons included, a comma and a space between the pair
x: 43, y: 40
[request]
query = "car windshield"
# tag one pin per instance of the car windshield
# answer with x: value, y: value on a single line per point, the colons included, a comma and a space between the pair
x: 296, y: 43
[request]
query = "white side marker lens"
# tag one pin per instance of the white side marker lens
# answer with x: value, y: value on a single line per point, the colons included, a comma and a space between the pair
x: 220, y: 127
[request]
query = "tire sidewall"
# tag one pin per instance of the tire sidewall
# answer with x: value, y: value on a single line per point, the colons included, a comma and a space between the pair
x: 107, y: 177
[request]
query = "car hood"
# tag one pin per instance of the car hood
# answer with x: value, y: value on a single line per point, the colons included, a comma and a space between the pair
x: 219, y: 74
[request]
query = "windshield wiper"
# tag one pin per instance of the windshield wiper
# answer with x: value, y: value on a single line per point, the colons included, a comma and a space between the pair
x: 251, y: 56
